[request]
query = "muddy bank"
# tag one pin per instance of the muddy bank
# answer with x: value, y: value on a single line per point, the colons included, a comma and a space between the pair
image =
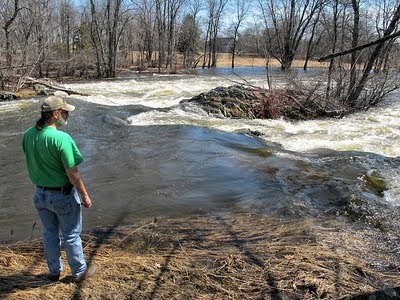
x: 218, y: 257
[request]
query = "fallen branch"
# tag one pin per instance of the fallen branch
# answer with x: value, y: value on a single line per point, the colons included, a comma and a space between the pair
x: 376, y: 42
x: 301, y: 105
x: 51, y: 86
x: 196, y: 62
x: 241, y: 83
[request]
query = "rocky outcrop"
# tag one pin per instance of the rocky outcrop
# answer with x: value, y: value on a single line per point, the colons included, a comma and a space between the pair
x: 246, y: 102
x: 41, y: 90
x: 232, y: 102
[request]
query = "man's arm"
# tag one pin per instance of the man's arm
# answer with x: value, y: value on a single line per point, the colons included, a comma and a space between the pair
x: 76, y: 179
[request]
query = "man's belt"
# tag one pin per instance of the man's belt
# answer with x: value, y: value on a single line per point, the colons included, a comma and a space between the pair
x: 45, y: 188
x: 66, y: 189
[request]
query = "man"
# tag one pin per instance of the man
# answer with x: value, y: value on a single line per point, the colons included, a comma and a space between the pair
x: 52, y: 158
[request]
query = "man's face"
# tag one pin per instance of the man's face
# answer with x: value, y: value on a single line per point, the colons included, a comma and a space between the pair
x: 61, y: 117
x: 64, y: 114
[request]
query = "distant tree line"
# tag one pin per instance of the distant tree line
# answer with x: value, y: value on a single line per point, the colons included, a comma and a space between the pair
x: 43, y: 38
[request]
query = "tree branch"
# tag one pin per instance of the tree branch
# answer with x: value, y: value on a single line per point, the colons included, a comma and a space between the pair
x: 378, y: 41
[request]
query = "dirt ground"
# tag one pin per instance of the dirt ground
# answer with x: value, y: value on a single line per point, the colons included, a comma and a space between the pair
x: 215, y: 257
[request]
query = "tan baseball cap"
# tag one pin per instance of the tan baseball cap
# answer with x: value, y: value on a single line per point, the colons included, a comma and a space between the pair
x: 54, y: 102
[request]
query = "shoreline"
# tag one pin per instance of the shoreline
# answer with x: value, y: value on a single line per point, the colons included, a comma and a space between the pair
x: 224, y: 62
x: 237, y: 256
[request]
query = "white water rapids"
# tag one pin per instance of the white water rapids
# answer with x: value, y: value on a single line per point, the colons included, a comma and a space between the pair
x: 375, y: 131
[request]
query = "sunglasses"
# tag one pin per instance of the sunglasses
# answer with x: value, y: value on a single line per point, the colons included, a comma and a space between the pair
x: 64, y: 112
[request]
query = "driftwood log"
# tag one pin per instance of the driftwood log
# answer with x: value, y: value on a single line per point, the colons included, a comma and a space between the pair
x: 53, y: 86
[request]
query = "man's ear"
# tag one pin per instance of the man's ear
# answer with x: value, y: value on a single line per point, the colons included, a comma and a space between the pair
x: 55, y: 114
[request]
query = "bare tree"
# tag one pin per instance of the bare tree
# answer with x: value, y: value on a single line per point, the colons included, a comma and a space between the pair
x: 356, y: 91
x: 96, y: 34
x: 354, y: 42
x: 188, y: 40
x: 215, y: 11
x: 146, y: 14
x: 286, y: 22
x: 8, y: 21
x: 210, y: 20
x: 24, y: 33
x: 42, y: 11
x: 195, y: 6
x: 220, y: 8
x: 242, y: 8
x: 107, y: 21
x: 67, y: 27
x: 161, y: 18
x: 384, y: 12
x: 173, y: 10
x: 352, y: 98
x: 334, y: 38
x: 312, y: 43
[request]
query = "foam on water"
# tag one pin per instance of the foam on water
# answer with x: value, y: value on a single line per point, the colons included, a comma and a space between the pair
x: 358, y: 132
x: 376, y: 131
x: 156, y: 93
x: 393, y: 194
x: 16, y: 104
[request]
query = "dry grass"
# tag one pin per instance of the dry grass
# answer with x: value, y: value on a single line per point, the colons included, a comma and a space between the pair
x: 225, y: 60
x: 227, y: 257
x: 26, y: 93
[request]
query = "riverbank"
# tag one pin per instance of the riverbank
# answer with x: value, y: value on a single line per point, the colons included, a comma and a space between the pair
x: 224, y: 60
x: 218, y: 257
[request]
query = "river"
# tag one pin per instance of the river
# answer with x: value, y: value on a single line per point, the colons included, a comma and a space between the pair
x: 146, y: 156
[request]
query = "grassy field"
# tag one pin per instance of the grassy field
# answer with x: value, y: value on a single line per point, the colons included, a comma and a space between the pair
x: 219, y: 257
x: 225, y: 60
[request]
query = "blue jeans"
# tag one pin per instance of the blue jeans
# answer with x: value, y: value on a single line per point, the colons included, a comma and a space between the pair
x: 61, y: 212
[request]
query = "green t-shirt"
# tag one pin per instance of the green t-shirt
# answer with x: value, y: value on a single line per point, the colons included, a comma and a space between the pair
x: 48, y: 153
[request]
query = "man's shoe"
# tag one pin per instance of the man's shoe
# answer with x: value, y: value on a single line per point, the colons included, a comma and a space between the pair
x: 53, y: 278
x: 88, y: 273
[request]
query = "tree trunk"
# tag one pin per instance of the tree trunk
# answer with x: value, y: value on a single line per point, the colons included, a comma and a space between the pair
x: 354, y: 43
x: 205, y: 44
x: 233, y: 54
x: 287, y: 60
x: 310, y: 41
x: 335, y: 33
x: 355, y: 93
x: 234, y: 46
x: 6, y: 29
x: 8, y: 49
x: 96, y: 41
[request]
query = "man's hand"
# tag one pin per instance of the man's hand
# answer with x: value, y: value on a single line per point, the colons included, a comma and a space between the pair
x: 86, y: 201
x: 76, y: 179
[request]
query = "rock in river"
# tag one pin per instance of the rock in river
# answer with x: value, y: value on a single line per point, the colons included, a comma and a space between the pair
x: 249, y: 102
x: 8, y: 96
x: 231, y: 102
